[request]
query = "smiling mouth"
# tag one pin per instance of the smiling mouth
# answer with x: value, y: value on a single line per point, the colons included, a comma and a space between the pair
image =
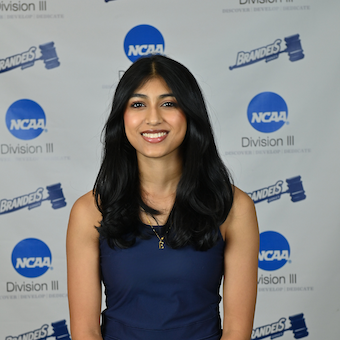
x: 154, y: 135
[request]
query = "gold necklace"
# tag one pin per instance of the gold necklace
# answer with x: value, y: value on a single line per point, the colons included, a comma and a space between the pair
x: 161, y: 239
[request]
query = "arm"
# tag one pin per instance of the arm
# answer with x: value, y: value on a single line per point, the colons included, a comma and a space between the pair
x: 83, y: 271
x: 240, y: 268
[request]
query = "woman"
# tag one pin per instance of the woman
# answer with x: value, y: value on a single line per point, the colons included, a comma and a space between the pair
x: 170, y: 222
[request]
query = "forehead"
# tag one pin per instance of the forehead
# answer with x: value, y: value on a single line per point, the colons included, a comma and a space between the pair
x: 154, y: 84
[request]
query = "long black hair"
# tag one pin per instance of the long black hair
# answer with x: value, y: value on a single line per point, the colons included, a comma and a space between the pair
x: 204, y: 193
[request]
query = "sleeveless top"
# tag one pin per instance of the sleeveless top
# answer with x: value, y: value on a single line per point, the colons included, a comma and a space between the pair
x: 161, y: 294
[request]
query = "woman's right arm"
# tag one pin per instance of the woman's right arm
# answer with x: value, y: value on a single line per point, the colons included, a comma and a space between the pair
x: 83, y: 270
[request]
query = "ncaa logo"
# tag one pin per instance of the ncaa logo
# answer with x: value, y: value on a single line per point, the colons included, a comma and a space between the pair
x: 267, y: 112
x: 25, y: 119
x: 31, y: 257
x: 274, y: 251
x: 143, y: 40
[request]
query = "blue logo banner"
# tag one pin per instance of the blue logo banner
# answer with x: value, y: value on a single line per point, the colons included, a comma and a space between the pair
x: 274, y: 251
x: 267, y: 112
x: 28, y: 58
x: 31, y: 258
x: 274, y: 192
x: 34, y: 199
x: 25, y: 119
x: 277, y: 329
x: 271, y: 52
x: 60, y: 332
x: 143, y: 40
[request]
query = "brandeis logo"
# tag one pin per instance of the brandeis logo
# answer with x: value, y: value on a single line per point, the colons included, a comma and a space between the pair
x: 271, y: 52
x: 34, y: 199
x: 277, y: 329
x: 274, y: 192
x: 28, y: 58
x: 60, y: 332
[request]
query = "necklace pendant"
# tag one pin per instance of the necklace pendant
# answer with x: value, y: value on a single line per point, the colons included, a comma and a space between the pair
x: 161, y: 244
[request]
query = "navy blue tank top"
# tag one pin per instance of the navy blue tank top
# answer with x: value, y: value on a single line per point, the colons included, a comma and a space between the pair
x: 161, y: 294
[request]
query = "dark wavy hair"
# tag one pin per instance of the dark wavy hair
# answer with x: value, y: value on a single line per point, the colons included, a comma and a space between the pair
x: 204, y: 193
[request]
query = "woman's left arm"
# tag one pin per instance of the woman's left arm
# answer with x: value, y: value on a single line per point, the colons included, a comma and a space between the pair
x: 241, y: 235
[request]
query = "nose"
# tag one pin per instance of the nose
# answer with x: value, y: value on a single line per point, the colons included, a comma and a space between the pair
x: 153, y: 116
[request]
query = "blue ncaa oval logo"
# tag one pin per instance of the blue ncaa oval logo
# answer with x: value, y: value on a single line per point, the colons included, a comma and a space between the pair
x: 143, y: 40
x: 267, y: 112
x: 31, y: 257
x: 274, y: 251
x: 25, y: 119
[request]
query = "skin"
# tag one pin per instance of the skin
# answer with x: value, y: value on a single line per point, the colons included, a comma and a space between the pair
x: 152, y: 109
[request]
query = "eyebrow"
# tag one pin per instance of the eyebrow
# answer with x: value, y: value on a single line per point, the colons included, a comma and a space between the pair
x: 139, y: 95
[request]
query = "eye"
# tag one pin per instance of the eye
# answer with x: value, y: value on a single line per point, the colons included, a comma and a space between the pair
x: 170, y: 104
x: 137, y: 105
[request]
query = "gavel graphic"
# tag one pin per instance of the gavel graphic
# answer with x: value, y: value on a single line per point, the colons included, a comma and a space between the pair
x: 48, y: 55
x: 298, y: 326
x: 293, y: 48
x: 55, y: 195
x: 295, y: 190
x: 60, y: 331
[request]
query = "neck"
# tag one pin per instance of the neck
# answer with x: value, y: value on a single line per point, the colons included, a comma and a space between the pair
x: 158, y: 177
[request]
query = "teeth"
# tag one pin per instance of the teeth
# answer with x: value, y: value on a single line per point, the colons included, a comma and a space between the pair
x: 154, y: 135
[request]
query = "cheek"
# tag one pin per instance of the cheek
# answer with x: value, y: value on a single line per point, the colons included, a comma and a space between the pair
x: 130, y: 123
x: 182, y: 123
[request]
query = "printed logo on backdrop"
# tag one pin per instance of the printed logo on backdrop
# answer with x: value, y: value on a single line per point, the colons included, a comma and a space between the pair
x: 274, y: 254
x: 274, y: 251
x: 25, y: 119
x: 17, y: 10
x: 59, y: 329
x: 278, y: 328
x: 143, y: 40
x: 34, y: 199
x: 273, y: 192
x: 28, y: 58
x: 267, y: 113
x: 31, y: 258
x: 271, y: 52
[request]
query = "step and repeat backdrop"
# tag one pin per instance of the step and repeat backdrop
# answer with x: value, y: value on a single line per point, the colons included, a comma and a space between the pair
x: 269, y: 70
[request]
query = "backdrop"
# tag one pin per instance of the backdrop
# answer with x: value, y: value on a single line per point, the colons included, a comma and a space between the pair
x: 270, y: 74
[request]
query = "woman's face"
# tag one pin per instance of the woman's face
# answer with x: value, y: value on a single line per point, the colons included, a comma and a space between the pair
x: 154, y: 124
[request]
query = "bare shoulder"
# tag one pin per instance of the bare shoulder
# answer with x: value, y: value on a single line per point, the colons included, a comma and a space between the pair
x: 85, y: 207
x: 85, y: 215
x: 242, y: 216
x: 242, y: 204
